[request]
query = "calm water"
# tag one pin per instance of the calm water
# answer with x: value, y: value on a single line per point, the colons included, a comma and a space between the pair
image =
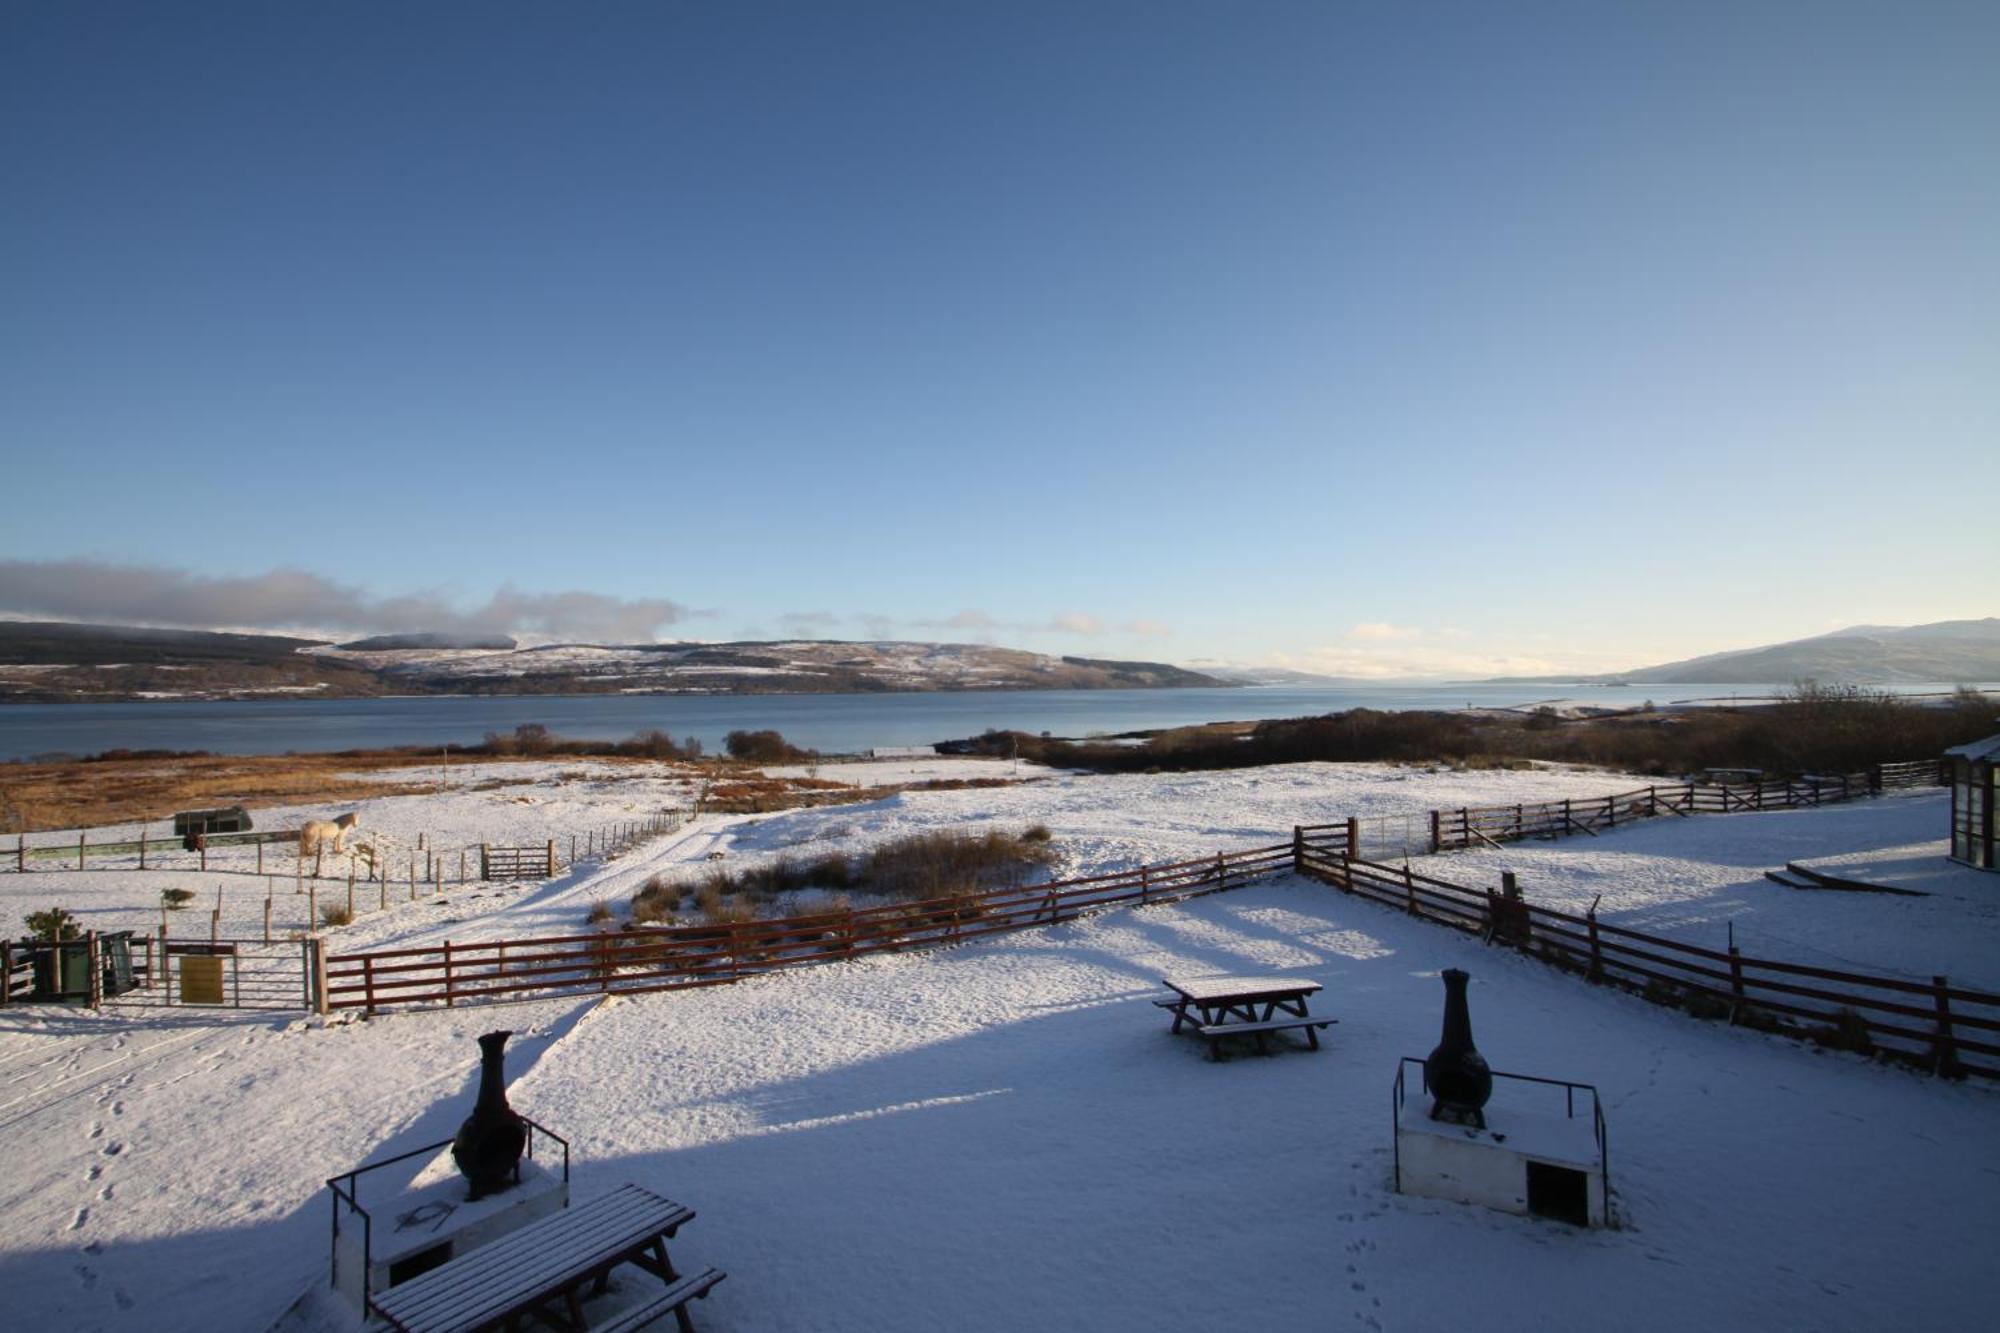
x: 832, y: 723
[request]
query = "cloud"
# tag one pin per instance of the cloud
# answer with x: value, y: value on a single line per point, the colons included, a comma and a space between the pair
x: 1150, y: 629
x: 807, y: 624
x: 1075, y: 622
x: 92, y: 590
x: 1378, y: 630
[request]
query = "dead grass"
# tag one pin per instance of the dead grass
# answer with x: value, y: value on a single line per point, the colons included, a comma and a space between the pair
x: 84, y: 793
x: 921, y: 866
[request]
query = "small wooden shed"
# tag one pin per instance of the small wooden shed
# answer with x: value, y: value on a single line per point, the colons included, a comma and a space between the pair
x: 1973, y: 793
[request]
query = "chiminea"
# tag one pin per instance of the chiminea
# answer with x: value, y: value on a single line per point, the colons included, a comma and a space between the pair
x: 489, y: 1143
x: 1456, y: 1072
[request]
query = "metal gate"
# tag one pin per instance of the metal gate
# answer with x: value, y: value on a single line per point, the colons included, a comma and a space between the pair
x: 227, y: 974
x: 496, y: 863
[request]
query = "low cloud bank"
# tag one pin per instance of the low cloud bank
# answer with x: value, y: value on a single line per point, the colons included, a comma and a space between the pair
x: 91, y: 590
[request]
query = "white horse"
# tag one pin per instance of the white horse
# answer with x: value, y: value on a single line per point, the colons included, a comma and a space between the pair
x: 318, y: 833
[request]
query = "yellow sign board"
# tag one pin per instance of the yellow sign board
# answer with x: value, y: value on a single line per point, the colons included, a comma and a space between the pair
x: 201, y: 980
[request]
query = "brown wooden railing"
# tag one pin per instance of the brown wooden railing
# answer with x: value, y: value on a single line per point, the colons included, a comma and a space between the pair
x: 676, y: 957
x: 1947, y: 1028
x: 1435, y: 831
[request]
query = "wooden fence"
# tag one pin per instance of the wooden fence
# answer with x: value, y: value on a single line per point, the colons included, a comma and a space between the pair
x: 1436, y: 831
x: 503, y: 863
x: 420, y: 865
x: 1946, y: 1028
x: 675, y: 957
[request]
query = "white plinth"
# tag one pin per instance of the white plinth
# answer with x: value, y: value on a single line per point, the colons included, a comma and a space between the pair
x: 1491, y: 1167
x: 429, y: 1215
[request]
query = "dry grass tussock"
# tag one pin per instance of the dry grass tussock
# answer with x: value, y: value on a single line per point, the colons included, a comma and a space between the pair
x: 922, y: 865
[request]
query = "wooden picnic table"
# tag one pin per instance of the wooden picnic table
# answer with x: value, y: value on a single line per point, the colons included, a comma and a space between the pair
x: 1234, y: 1006
x: 541, y: 1270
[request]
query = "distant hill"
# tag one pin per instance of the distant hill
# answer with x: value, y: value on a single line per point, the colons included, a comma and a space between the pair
x: 384, y: 642
x: 42, y: 662
x: 1279, y: 676
x: 1950, y: 651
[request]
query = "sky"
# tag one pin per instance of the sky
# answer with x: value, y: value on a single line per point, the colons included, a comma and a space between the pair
x: 1365, y: 338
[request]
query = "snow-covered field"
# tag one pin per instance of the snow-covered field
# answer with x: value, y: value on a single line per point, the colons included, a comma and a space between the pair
x: 1005, y: 1135
x: 1691, y: 879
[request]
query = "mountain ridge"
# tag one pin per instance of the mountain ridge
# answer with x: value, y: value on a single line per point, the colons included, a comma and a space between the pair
x: 1945, y: 650
x: 60, y: 662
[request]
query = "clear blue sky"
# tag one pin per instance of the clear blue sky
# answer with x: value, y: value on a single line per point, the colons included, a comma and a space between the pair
x: 1357, y: 336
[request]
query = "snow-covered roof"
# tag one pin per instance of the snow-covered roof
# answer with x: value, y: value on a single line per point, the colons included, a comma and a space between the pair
x: 1986, y: 749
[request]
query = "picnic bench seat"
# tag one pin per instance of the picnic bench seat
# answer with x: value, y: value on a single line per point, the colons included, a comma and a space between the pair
x: 546, y: 1264
x: 675, y: 1298
x: 1215, y: 1032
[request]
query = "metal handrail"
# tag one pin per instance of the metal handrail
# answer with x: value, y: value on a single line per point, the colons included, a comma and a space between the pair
x: 1600, y: 1131
x: 345, y: 1190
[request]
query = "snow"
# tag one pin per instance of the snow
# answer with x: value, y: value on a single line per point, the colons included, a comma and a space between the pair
x: 1005, y: 1135
x: 1691, y: 879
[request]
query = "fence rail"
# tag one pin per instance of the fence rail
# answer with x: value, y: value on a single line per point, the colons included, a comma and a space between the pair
x: 1947, y: 1028
x: 430, y: 865
x: 676, y: 957
x: 1430, y: 832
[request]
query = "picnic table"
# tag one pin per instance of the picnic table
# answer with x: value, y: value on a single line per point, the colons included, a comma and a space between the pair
x: 1218, y: 1007
x: 541, y: 1271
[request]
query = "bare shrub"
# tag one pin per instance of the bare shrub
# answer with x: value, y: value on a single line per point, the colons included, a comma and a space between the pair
x: 600, y: 912
x: 762, y: 747
x: 335, y: 914
x: 922, y: 865
x: 657, y: 900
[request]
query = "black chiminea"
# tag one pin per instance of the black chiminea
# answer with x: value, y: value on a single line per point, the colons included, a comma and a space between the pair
x: 1456, y: 1072
x: 489, y: 1143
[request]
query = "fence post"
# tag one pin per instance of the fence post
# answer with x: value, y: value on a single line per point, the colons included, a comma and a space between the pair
x: 1596, y: 949
x: 312, y: 907
x: 93, y: 955
x: 1221, y: 872
x: 6, y: 972
x: 1735, y: 980
x: 1298, y: 857
x: 484, y: 875
x: 1568, y: 824
x: 142, y: 849
x: 315, y: 946
x: 413, y: 876
x: 552, y: 859
x: 201, y: 844
x: 1353, y: 838
x: 350, y: 900
x: 260, y: 857
x: 1944, y: 1051
x: 1653, y: 801
x: 79, y: 852
x: 267, y: 920
x: 450, y: 993
x: 572, y: 849
x: 21, y: 853
x: 1145, y: 884
x: 1437, y: 833
x: 368, y: 984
